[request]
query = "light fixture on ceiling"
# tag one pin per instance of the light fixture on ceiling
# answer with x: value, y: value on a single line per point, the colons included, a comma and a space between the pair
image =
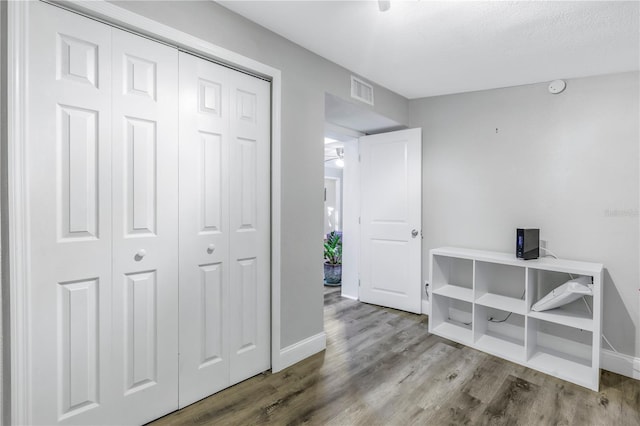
x: 339, y: 158
x: 384, y: 5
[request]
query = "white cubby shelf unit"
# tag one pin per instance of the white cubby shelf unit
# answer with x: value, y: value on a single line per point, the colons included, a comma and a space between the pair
x: 483, y: 299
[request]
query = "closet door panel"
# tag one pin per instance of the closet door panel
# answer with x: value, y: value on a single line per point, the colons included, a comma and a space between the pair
x: 250, y: 277
x: 204, y: 229
x: 69, y: 194
x: 145, y: 225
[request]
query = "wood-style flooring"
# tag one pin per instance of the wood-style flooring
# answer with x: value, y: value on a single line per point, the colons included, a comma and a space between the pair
x: 382, y: 367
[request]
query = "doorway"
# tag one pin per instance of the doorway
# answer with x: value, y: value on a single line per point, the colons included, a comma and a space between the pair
x: 345, y: 123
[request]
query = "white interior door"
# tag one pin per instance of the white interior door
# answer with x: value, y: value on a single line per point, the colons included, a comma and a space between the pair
x: 224, y: 227
x: 250, y: 225
x: 145, y: 227
x: 391, y: 215
x: 104, y: 201
x: 102, y: 164
x: 69, y: 189
x: 204, y: 229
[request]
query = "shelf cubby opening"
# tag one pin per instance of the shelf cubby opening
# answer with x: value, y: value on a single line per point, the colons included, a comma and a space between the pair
x: 500, y: 332
x: 453, y: 277
x: 563, y: 351
x: 501, y: 286
x: 452, y: 318
x: 577, y: 314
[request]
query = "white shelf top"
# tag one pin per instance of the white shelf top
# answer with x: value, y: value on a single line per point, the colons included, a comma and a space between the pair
x: 455, y: 292
x: 571, y: 315
x: 503, y: 303
x: 545, y: 263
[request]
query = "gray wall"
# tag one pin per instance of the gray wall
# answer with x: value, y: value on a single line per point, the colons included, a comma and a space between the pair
x: 305, y: 79
x: 568, y: 163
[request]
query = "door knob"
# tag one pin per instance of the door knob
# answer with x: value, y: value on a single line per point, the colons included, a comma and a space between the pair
x: 140, y: 254
x: 211, y: 248
x: 414, y: 233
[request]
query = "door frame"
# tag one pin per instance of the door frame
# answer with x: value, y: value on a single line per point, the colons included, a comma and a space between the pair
x: 338, y: 203
x: 19, y: 391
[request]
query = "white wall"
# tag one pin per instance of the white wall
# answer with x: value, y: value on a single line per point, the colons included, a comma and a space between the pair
x: 567, y: 163
x: 305, y: 79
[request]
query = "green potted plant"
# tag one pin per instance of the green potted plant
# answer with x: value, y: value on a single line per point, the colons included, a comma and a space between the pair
x: 333, y: 259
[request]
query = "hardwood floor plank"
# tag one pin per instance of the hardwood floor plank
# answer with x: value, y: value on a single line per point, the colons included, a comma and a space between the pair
x: 513, y: 397
x: 382, y: 367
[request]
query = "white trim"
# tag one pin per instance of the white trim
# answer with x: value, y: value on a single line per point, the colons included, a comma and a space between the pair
x: 276, y: 215
x: 346, y: 296
x: 303, y: 349
x: 616, y: 362
x: 18, y: 208
x: 425, y: 307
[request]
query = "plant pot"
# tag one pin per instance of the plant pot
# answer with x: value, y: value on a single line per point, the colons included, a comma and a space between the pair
x: 332, y: 274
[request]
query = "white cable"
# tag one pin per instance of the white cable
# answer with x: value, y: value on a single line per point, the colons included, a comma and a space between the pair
x: 550, y: 252
x: 610, y: 345
x: 555, y: 257
x: 603, y: 336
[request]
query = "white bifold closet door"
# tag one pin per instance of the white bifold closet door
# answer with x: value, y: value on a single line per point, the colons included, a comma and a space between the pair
x: 102, y: 182
x: 224, y: 227
x: 69, y: 195
x: 145, y: 227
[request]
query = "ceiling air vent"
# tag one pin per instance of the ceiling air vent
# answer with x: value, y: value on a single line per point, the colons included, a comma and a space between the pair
x: 361, y: 91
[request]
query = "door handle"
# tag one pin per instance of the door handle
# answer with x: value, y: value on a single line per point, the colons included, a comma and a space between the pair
x: 140, y: 254
x: 211, y: 248
x: 414, y: 233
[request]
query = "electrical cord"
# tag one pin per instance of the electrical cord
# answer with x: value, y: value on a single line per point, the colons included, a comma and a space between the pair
x: 584, y: 299
x: 507, y: 317
x: 555, y: 257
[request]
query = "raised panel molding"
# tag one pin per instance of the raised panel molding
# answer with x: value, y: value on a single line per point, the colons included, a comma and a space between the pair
x: 141, y: 177
x: 383, y: 154
x: 248, y: 306
x: 209, y: 97
x: 246, y: 104
x: 211, y: 182
x: 140, y: 77
x: 78, y: 335
x: 77, y: 60
x: 140, y: 331
x: 212, y: 315
x: 78, y: 173
x: 248, y: 201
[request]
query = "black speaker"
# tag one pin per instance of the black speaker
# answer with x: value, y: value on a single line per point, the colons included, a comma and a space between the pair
x: 527, y: 243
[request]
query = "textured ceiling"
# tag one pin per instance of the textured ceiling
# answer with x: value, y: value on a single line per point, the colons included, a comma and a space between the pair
x: 426, y: 48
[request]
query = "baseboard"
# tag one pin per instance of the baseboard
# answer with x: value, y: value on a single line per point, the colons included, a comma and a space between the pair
x: 303, y: 349
x: 616, y: 362
x: 425, y: 307
x: 346, y: 296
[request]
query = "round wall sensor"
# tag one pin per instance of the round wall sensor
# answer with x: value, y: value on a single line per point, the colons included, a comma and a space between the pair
x: 557, y: 86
